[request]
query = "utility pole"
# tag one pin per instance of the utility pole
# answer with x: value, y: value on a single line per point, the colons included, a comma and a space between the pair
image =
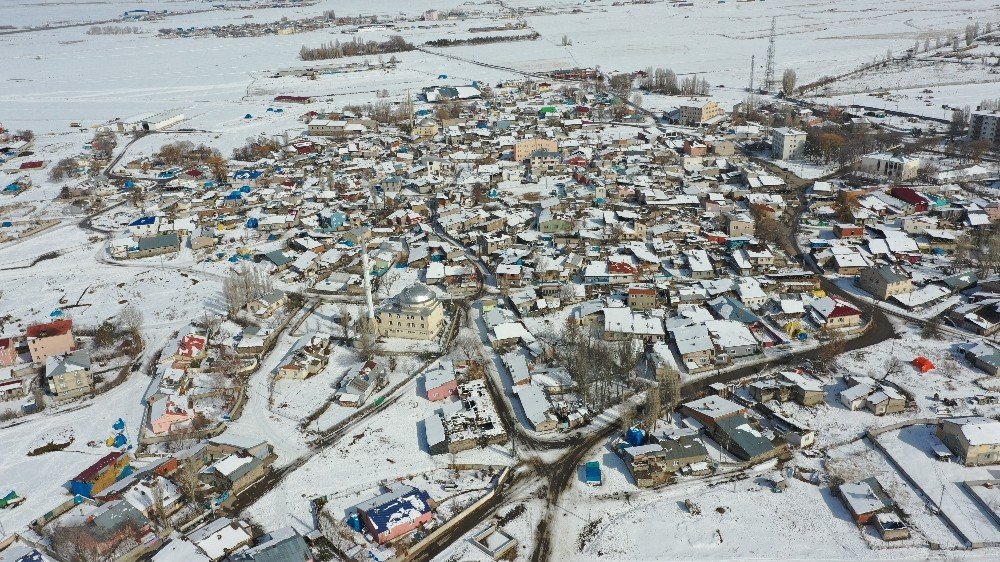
x: 769, y: 69
x: 752, y: 62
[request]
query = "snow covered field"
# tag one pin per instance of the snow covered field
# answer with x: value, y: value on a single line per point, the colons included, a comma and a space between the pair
x: 52, y: 77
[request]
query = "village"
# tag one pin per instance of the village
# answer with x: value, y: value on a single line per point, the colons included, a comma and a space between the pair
x: 482, y: 319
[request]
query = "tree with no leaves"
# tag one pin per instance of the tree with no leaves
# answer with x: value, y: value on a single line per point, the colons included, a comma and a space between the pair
x: 73, y: 543
x: 244, y: 286
x: 188, y: 482
x: 830, y: 351
x: 788, y: 82
x: 367, y: 339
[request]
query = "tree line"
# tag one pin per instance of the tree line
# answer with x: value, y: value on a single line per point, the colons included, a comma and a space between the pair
x: 664, y: 81
x: 355, y: 47
x: 483, y: 40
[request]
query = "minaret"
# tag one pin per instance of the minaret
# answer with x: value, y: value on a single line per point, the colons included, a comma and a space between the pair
x: 368, y: 283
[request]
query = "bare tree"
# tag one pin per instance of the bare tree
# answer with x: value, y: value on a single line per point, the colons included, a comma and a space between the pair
x: 244, y: 286
x: 367, y: 339
x: 73, y: 543
x: 188, y: 482
x: 668, y: 382
x: 130, y: 318
x: 653, y: 409
x: 788, y: 82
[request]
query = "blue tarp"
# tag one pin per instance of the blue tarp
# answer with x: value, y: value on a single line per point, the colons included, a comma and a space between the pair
x: 119, y: 425
x: 252, y: 223
x: 635, y: 437
x: 593, y: 472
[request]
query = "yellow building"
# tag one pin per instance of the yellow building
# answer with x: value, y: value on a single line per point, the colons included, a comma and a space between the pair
x: 415, y: 313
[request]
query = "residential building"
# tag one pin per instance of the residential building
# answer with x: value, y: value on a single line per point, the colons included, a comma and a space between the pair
x: 525, y: 148
x: 974, y: 440
x: 695, y: 114
x: 788, y: 144
x: 985, y: 125
x: 53, y: 338
x: 865, y: 499
x: 70, y: 375
x: 283, y: 545
x: 883, y: 281
x: 398, y: 511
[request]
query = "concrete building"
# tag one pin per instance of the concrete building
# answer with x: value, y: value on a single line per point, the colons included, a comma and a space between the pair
x: 883, y: 282
x: 696, y: 114
x: 974, y: 440
x: 787, y: 143
x: 70, y: 375
x: 415, y: 313
x: 525, y: 148
x: 985, y: 125
x: 53, y: 338
x: 893, y: 166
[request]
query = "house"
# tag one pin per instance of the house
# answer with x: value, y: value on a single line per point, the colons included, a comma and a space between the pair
x: 156, y: 245
x: 164, y: 413
x: 536, y: 406
x: 834, y: 312
x: 398, y: 511
x: 115, y: 530
x: 103, y: 473
x: 883, y: 281
x: 739, y: 437
x: 70, y: 375
x: 914, y: 201
x: 220, y: 537
x: 974, y: 440
x: 8, y: 352
x: 886, y: 400
x: 844, y: 230
x: 655, y: 463
x: 440, y: 383
x: 854, y: 397
x: 235, y: 467
x: 710, y: 410
x: 641, y: 297
x: 865, y: 499
x: 53, y: 338
x: 283, y: 545
x: 787, y: 143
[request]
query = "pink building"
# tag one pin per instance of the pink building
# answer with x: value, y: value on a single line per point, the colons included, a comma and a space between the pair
x: 8, y: 352
x: 54, y: 338
x: 440, y: 384
x: 164, y: 414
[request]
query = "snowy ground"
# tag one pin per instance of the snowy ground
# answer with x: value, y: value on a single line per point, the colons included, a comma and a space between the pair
x: 218, y: 80
x: 389, y: 445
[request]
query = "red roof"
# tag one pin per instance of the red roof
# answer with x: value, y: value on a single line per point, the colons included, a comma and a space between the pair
x: 55, y: 328
x: 909, y: 195
x: 191, y: 345
x: 99, y: 466
x: 32, y: 165
x: 843, y: 308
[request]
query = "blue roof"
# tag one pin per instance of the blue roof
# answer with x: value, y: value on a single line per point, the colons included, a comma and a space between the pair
x: 593, y: 471
x: 143, y: 221
x: 385, y: 515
